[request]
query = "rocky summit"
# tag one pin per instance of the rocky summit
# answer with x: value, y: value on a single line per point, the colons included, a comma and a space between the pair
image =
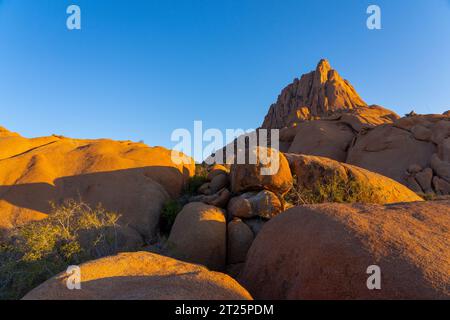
x: 322, y: 115
x: 317, y: 94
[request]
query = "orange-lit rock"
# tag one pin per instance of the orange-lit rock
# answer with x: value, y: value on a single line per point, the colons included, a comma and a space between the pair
x: 142, y: 276
x: 129, y: 178
x: 324, y: 251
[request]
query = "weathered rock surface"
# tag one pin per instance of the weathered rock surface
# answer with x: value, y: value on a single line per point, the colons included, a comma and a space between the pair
x: 239, y: 240
x: 219, y: 182
x: 273, y: 175
x: 329, y: 139
x: 199, y: 236
x: 324, y: 251
x: 425, y: 178
x: 264, y: 204
x: 255, y: 224
x: 219, y: 199
x: 217, y: 169
x: 311, y: 170
x: 131, y: 179
x: 142, y: 276
x: 316, y: 94
x: 395, y: 150
x: 321, y: 114
x: 441, y: 186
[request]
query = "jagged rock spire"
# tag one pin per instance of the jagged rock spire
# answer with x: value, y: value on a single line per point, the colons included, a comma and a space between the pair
x: 316, y: 94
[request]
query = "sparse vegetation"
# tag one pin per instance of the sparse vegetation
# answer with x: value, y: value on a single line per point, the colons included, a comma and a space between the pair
x: 171, y: 208
x: 169, y: 213
x: 428, y: 196
x: 195, y: 182
x: 73, y: 233
x: 334, y: 189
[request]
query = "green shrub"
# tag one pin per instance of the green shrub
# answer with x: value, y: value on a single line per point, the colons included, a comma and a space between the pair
x: 169, y: 213
x: 72, y: 234
x: 334, y: 189
x: 195, y: 182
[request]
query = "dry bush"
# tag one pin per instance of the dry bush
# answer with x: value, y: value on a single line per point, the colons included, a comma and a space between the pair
x: 334, y: 189
x: 72, y: 234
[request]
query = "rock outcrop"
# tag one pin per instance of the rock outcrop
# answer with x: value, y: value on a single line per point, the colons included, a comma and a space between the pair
x: 320, y: 94
x: 239, y: 239
x: 397, y: 150
x: 316, y: 172
x: 322, y: 115
x: 323, y: 138
x: 141, y: 276
x: 264, y: 204
x: 128, y: 178
x: 324, y: 252
x: 199, y: 235
x: 269, y: 175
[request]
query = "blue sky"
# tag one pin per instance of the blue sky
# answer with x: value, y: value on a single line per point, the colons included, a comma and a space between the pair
x: 140, y: 69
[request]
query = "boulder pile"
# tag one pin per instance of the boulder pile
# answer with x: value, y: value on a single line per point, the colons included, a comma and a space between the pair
x: 218, y: 226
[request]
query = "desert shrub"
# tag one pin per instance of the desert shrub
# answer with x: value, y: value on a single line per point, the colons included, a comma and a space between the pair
x: 72, y: 234
x: 172, y: 207
x: 195, y: 182
x: 334, y: 189
x: 169, y: 213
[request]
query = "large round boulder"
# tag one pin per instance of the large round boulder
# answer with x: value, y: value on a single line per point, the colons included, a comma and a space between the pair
x: 337, y: 251
x: 199, y: 236
x: 264, y: 204
x: 239, y: 240
x: 323, y: 138
x: 141, y: 276
x: 265, y: 168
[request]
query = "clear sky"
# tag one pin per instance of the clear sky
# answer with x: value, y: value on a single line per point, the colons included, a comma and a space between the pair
x: 140, y: 69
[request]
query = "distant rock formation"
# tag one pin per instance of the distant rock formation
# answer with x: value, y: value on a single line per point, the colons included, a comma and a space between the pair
x: 322, y: 115
x: 319, y: 93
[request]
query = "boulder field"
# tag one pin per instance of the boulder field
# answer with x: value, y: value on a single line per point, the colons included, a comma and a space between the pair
x: 266, y: 230
x: 220, y: 236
